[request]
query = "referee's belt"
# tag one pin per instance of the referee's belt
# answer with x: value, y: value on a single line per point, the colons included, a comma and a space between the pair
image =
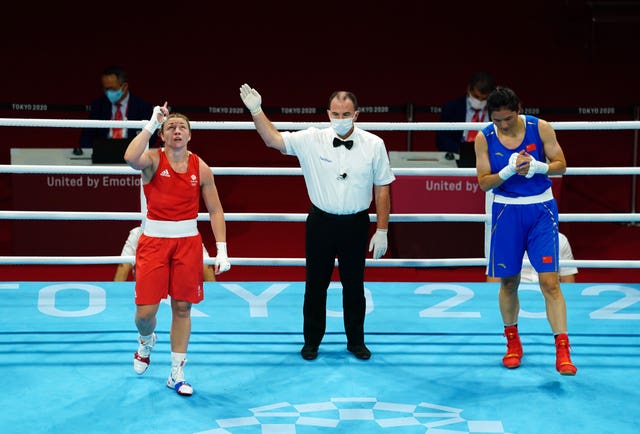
x: 317, y: 211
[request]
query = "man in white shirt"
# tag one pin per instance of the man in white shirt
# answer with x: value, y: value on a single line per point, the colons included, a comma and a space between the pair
x: 344, y: 169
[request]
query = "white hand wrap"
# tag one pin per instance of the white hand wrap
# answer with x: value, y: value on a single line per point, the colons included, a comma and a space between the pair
x: 536, y: 166
x: 222, y: 260
x: 510, y: 169
x: 378, y: 243
x: 251, y: 98
x: 157, y: 118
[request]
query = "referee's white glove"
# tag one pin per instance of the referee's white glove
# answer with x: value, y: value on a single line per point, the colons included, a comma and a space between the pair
x: 157, y: 118
x: 510, y: 169
x: 378, y: 243
x: 536, y: 166
x: 222, y: 260
x: 251, y: 98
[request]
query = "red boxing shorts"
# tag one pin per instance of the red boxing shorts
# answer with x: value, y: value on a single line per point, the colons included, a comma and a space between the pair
x: 169, y: 266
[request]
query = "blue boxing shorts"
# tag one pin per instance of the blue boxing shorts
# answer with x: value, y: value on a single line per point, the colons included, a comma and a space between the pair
x: 516, y: 228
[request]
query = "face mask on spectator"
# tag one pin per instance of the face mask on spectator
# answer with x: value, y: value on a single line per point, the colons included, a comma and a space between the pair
x: 476, y: 104
x: 113, y: 95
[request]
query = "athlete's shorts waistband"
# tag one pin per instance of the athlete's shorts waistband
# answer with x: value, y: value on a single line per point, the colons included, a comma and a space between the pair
x: 170, y: 229
x: 525, y: 200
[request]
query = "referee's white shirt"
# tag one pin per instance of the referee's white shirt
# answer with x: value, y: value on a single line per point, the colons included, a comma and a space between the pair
x: 339, y: 180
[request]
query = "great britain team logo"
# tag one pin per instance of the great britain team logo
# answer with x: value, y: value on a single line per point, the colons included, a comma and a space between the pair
x: 194, y: 180
x: 354, y: 415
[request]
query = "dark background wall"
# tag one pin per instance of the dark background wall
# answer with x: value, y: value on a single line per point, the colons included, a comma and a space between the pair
x: 555, y: 54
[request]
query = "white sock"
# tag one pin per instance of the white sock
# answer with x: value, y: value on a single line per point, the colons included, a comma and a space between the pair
x: 145, y: 339
x: 177, y: 360
x: 143, y: 351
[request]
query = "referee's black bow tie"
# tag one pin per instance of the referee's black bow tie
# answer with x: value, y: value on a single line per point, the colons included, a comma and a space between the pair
x: 347, y: 143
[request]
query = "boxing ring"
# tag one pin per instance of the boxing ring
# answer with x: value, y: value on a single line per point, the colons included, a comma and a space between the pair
x: 437, y: 346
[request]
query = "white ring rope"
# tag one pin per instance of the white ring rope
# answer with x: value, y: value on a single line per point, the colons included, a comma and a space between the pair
x: 371, y: 126
x: 285, y: 171
x: 300, y: 262
x: 300, y: 217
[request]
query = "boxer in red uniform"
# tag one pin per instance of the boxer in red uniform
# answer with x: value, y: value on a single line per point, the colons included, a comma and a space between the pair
x: 169, y: 254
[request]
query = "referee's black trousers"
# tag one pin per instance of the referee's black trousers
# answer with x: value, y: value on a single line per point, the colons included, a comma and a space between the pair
x: 329, y: 236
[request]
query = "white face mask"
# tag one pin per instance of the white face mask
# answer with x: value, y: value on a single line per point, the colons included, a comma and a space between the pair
x: 476, y: 104
x: 342, y: 126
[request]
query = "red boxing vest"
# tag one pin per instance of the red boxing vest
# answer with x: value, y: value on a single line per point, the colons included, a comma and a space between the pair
x: 174, y: 196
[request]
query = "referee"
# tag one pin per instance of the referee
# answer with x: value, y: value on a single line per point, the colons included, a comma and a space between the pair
x: 344, y: 169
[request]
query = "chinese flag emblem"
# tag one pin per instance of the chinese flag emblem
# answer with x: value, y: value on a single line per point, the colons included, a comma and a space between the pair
x: 547, y: 259
x: 531, y: 147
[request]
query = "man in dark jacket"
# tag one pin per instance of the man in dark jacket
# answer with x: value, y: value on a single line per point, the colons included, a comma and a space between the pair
x: 117, y: 103
x: 468, y: 108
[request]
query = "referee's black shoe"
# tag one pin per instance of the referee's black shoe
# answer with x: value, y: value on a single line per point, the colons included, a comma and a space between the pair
x: 360, y: 351
x: 309, y: 352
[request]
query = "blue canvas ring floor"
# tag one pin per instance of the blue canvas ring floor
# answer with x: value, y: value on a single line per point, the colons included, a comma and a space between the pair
x: 67, y: 348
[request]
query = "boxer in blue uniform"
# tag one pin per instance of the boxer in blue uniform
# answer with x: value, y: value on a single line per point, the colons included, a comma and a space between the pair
x: 515, y: 155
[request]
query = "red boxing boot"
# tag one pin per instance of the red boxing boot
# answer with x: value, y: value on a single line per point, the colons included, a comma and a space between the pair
x: 563, y: 359
x: 512, y: 358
